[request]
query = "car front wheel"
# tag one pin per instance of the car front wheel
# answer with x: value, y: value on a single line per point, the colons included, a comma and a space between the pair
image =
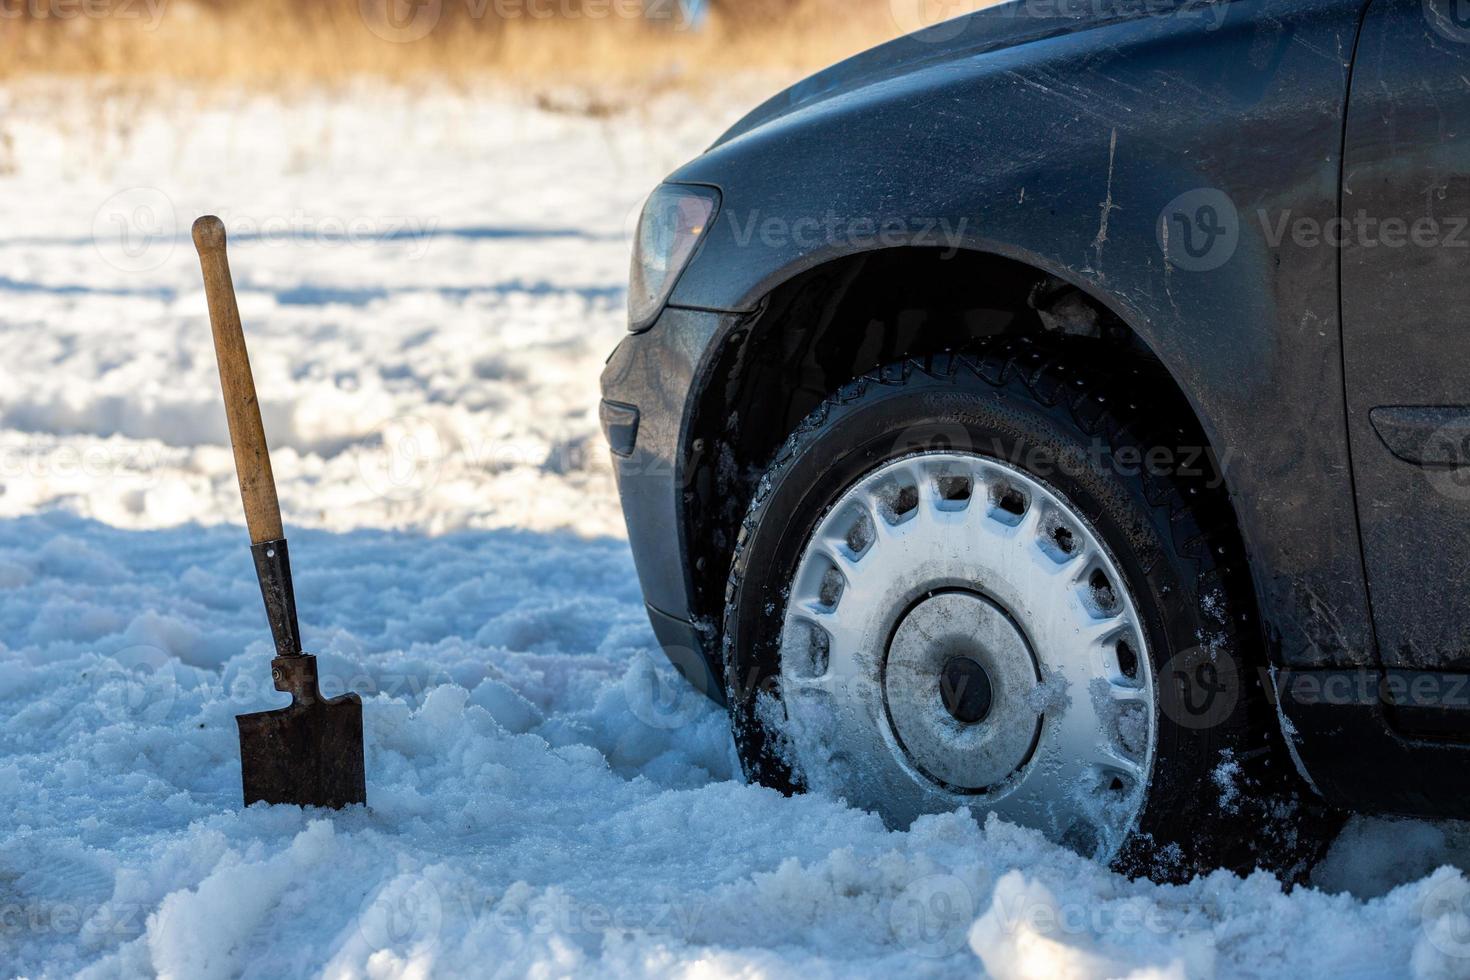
x: 986, y: 581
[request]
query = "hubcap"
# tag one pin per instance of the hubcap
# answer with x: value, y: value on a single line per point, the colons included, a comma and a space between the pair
x: 958, y: 635
x: 955, y: 688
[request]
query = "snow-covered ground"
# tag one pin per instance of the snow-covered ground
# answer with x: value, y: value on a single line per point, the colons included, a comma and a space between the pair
x: 429, y: 284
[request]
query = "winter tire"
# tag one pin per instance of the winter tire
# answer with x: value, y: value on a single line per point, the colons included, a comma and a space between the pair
x: 988, y: 580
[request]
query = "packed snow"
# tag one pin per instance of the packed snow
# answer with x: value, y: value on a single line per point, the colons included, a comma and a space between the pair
x: 430, y: 281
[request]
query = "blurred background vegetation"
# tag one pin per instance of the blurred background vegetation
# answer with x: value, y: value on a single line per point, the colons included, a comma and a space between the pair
x: 656, y: 43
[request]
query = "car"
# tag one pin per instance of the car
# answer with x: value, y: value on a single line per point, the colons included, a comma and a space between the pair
x: 1064, y: 414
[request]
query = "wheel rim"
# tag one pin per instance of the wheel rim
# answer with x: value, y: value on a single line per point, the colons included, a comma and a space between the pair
x: 957, y: 634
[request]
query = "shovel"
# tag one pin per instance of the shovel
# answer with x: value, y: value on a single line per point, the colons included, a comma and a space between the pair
x: 308, y: 754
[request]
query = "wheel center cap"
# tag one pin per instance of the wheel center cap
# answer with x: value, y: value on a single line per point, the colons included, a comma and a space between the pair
x: 957, y: 682
x: 964, y: 686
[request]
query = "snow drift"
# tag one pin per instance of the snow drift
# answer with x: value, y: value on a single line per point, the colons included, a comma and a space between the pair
x: 429, y: 283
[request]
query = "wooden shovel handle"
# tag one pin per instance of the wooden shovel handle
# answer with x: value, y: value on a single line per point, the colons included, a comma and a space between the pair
x: 247, y: 435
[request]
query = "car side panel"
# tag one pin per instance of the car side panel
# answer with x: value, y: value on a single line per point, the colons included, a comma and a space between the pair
x: 1407, y: 349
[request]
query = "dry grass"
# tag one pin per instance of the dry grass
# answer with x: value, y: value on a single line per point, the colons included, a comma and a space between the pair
x: 586, y: 43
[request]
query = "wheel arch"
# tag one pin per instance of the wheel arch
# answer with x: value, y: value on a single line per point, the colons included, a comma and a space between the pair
x: 802, y: 339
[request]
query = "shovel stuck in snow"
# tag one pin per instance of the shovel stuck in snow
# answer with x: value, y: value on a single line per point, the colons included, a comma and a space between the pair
x: 310, y: 753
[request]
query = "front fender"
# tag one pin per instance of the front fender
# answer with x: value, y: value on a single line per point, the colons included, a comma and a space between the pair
x: 1204, y: 134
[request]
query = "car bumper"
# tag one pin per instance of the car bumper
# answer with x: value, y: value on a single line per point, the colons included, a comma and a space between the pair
x: 645, y: 412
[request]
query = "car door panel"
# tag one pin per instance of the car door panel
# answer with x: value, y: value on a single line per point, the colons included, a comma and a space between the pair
x: 1406, y: 324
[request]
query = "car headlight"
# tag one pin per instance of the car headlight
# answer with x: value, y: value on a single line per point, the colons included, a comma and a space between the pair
x: 674, y: 221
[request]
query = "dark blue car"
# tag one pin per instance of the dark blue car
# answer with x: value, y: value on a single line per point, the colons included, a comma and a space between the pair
x: 1065, y: 412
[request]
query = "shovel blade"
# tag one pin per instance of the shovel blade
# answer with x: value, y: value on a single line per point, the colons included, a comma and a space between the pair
x: 309, y: 754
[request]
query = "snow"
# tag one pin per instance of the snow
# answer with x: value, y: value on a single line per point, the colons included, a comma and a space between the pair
x: 430, y: 281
